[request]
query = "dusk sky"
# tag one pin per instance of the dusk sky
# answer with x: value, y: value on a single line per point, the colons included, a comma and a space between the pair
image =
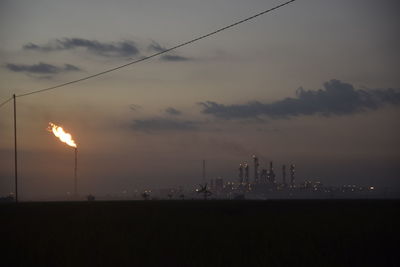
x: 315, y: 83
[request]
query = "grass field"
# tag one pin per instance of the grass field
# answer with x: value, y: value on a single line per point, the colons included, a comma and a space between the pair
x: 201, y: 233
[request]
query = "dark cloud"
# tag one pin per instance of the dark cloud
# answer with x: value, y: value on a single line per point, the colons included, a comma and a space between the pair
x: 106, y: 49
x: 336, y: 98
x: 32, y: 46
x: 41, y: 68
x: 154, y: 46
x: 174, y: 58
x: 69, y: 67
x: 113, y: 49
x: 163, y: 124
x: 135, y: 107
x: 172, y: 111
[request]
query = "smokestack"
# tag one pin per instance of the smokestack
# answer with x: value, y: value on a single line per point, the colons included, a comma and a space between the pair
x: 256, y: 164
x: 240, y: 174
x: 66, y: 138
x: 292, y: 181
x: 271, y: 174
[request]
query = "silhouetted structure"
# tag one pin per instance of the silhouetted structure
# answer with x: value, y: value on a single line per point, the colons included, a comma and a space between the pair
x: 240, y: 174
x: 9, y: 198
x: 263, y: 176
x: 292, y: 178
x: 219, y: 184
x: 256, y: 164
x: 203, y: 190
x: 145, y: 196
x: 271, y: 174
x: 246, y: 173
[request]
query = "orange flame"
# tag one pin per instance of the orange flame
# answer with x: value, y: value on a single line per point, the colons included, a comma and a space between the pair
x: 59, y: 132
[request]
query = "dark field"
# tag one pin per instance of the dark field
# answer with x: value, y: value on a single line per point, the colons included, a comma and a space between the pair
x: 201, y: 233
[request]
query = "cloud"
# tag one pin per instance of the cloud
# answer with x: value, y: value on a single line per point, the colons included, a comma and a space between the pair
x: 163, y: 124
x: 173, y: 111
x: 106, y: 49
x: 135, y: 107
x: 69, y: 67
x: 154, y: 46
x: 41, y: 68
x: 174, y: 58
x: 336, y: 98
x: 112, y: 49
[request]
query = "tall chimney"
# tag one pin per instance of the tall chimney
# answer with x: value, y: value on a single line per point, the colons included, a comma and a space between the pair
x: 256, y: 164
x: 292, y: 181
x: 246, y: 173
x: 240, y: 174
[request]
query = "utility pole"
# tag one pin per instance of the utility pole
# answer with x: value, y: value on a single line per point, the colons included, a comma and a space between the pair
x: 15, y: 150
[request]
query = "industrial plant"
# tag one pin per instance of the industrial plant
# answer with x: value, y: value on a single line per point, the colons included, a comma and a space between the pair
x: 253, y: 182
x: 257, y: 183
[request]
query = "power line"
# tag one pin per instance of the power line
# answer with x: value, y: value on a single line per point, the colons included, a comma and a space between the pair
x: 156, y: 54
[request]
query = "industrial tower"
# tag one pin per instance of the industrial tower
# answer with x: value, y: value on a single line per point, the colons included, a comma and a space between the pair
x: 271, y: 174
x: 246, y: 174
x: 256, y: 164
x: 292, y: 181
x: 240, y: 174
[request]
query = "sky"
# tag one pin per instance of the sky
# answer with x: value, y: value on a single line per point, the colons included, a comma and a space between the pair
x: 314, y: 84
